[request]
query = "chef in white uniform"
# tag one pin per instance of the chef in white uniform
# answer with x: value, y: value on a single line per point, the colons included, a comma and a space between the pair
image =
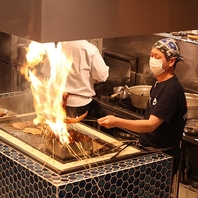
x: 88, y: 67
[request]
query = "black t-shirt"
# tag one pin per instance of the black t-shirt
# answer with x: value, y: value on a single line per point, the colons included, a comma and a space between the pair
x: 167, y: 102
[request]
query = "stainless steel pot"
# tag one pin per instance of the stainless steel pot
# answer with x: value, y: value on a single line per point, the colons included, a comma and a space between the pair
x: 120, y: 92
x: 139, y: 95
x: 192, y: 105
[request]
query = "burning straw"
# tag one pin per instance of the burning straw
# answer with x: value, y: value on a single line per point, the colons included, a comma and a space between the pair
x: 48, y: 91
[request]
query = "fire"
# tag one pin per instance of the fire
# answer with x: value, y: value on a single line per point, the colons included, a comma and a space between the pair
x: 48, y: 91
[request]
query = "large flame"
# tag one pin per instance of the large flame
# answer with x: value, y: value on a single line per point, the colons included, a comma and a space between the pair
x: 48, y: 92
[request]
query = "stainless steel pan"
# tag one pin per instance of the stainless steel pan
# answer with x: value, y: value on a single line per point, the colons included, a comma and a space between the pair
x: 120, y: 92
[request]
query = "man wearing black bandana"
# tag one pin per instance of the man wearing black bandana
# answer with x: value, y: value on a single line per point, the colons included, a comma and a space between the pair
x: 165, y: 117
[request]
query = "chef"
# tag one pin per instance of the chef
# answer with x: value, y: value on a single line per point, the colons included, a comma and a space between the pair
x: 88, y: 67
x: 165, y: 117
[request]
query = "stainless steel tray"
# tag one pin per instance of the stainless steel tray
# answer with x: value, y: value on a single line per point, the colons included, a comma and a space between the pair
x: 61, y: 151
x: 6, y: 115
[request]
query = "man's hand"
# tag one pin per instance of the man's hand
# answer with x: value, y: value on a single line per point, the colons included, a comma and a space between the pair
x: 108, y: 121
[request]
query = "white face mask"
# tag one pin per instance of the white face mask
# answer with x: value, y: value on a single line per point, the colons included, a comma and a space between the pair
x: 156, y: 66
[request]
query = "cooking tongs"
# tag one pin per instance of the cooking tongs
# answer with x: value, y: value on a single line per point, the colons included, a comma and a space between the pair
x: 69, y: 120
x: 127, y: 144
x: 89, y: 120
x: 143, y: 150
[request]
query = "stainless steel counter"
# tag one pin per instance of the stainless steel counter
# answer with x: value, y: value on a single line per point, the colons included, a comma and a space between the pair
x: 190, y: 138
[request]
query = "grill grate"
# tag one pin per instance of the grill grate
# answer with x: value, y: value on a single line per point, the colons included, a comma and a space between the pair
x: 36, y: 141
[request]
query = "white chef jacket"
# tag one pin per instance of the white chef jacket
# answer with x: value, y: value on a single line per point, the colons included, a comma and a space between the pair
x: 87, y: 66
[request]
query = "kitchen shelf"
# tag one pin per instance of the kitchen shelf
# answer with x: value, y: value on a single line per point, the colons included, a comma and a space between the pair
x: 181, y: 38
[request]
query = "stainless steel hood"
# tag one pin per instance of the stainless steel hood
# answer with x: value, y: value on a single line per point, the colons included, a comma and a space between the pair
x: 59, y: 20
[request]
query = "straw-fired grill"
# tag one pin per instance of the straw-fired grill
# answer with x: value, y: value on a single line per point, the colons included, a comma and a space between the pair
x: 98, y: 149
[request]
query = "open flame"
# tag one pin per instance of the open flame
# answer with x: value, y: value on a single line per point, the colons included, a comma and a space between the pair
x: 48, y: 91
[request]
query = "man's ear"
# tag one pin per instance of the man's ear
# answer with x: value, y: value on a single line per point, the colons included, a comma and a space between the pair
x: 172, y: 61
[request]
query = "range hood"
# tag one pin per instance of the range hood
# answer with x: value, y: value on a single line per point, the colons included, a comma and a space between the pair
x: 60, y: 20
